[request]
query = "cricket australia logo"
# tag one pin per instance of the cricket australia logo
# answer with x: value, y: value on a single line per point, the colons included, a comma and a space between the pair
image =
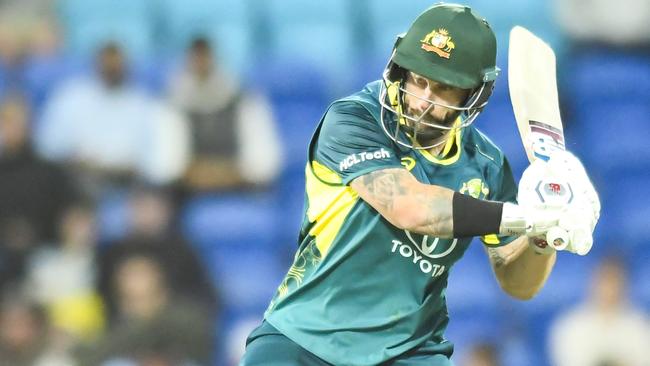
x: 475, y: 188
x: 439, y: 42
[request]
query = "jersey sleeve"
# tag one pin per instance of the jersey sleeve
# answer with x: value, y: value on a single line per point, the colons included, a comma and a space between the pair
x: 503, y: 189
x: 352, y: 143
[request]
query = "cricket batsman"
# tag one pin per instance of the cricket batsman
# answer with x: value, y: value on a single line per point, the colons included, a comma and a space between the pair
x: 398, y: 182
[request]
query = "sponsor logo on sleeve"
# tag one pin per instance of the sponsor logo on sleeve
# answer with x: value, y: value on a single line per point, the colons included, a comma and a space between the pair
x: 353, y: 159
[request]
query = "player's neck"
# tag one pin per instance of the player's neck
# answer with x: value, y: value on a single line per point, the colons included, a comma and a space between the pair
x: 444, y: 149
x: 436, y: 150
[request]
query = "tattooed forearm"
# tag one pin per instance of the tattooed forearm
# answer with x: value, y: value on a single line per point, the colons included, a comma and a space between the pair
x: 520, y: 271
x: 385, y: 186
x: 407, y: 203
x: 502, y: 256
x: 439, y: 218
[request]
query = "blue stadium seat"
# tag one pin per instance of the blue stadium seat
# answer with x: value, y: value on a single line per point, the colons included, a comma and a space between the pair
x: 607, y: 76
x: 498, y: 123
x: 565, y: 287
x: 44, y: 74
x: 247, y: 277
x: 290, y: 198
x: 326, y: 46
x: 473, y: 287
x: 236, y: 236
x: 366, y: 70
x: 626, y: 209
x: 467, y: 329
x: 613, y: 136
x: 113, y: 215
x: 297, y: 124
x: 290, y: 81
x: 320, y: 33
x: 237, y: 220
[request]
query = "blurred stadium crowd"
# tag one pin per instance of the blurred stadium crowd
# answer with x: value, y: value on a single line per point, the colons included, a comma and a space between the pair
x: 151, y: 174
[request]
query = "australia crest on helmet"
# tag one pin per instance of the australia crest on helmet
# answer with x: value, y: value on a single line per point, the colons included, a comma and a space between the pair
x: 439, y: 42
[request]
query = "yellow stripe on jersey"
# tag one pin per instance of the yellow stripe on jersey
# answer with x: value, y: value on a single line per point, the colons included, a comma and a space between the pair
x: 454, y: 139
x: 329, y: 203
x: 491, y: 239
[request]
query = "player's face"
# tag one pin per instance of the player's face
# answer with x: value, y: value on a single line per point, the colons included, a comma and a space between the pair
x: 425, y: 97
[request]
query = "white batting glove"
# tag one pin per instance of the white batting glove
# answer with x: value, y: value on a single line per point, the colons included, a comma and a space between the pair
x: 563, y: 162
x: 574, y: 232
x: 541, y: 199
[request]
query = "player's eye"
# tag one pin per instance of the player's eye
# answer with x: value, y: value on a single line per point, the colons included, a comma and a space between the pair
x: 445, y: 88
x: 419, y: 81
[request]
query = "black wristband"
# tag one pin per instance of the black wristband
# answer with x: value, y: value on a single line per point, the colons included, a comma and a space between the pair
x: 474, y: 217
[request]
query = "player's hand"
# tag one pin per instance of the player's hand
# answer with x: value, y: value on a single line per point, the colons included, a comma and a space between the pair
x: 542, y: 197
x: 578, y: 219
x: 585, y: 195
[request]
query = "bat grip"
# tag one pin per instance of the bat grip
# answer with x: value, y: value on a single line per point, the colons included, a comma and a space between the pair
x: 557, y: 238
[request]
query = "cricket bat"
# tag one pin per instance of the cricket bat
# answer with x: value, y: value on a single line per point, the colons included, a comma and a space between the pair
x: 533, y: 94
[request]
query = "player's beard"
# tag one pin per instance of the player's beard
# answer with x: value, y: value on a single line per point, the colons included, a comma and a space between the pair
x: 428, y: 135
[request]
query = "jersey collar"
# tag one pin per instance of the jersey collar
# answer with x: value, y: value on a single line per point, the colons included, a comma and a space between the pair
x: 446, y: 159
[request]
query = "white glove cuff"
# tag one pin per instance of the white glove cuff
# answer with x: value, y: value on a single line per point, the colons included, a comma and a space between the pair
x: 513, y: 220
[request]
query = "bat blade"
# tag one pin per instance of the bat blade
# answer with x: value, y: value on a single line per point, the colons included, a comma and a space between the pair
x: 533, y: 93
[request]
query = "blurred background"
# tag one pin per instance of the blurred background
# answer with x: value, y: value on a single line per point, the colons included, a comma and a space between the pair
x: 151, y: 174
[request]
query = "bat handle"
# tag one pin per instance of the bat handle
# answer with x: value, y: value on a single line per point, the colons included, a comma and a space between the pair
x: 557, y: 238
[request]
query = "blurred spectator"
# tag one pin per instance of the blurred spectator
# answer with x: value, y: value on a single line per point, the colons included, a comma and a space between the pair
x: 234, y: 141
x: 624, y: 23
x: 63, y: 278
x: 24, y: 335
x: 606, y: 329
x: 152, y: 233
x: 30, y: 188
x: 153, y: 325
x: 17, y: 241
x: 33, y: 192
x: 481, y: 354
x: 111, y: 129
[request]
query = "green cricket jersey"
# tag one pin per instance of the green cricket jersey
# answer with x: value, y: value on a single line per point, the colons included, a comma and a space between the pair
x: 360, y: 290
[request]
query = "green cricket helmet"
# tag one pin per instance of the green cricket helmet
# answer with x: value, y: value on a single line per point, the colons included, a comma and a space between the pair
x: 449, y: 44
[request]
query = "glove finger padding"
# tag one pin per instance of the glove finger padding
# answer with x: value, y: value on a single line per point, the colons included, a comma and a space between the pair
x: 566, y: 164
x: 579, y: 224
